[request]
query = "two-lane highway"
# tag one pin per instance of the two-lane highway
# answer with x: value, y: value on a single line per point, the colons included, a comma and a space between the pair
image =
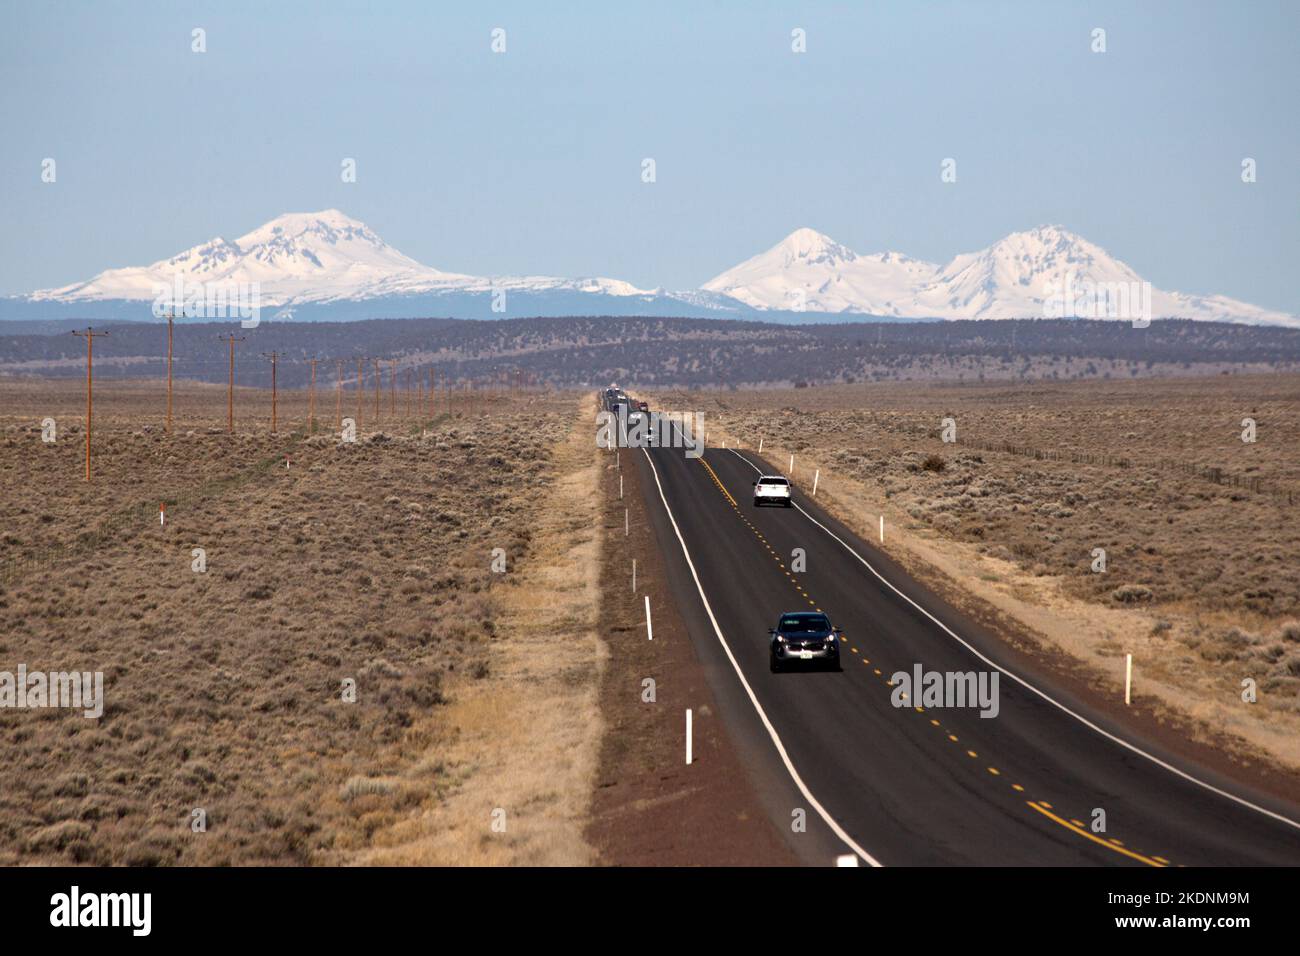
x: 912, y: 784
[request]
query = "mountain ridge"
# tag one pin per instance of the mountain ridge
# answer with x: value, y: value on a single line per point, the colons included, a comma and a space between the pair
x: 303, y: 262
x: 1022, y: 275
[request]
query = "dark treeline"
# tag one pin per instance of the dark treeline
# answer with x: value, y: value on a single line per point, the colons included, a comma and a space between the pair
x: 686, y: 352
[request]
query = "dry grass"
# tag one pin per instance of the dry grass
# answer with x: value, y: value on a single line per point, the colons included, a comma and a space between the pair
x: 524, y: 743
x: 1200, y: 583
x: 366, y: 561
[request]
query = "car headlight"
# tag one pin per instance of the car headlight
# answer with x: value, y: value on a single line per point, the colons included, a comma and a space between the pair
x: 780, y: 639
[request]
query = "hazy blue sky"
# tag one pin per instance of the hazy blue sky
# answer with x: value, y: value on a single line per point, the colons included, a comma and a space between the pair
x: 529, y: 161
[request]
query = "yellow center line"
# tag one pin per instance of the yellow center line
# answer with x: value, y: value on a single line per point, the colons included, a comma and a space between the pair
x: 720, y: 484
x: 1149, y: 861
x: 1043, y: 806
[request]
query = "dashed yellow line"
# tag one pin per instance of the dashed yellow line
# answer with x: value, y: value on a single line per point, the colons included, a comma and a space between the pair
x: 1040, y: 807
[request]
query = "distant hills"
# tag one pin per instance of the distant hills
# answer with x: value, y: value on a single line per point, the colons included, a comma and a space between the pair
x: 656, y: 351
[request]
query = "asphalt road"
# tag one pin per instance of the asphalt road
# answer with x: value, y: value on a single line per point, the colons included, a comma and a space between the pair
x: 898, y: 785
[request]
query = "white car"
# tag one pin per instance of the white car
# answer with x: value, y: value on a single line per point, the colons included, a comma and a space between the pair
x: 772, y: 490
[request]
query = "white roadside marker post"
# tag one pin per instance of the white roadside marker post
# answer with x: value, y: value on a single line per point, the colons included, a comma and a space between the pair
x: 634, y: 575
x: 1128, y: 680
x: 620, y: 487
x: 162, y: 513
x: 688, y: 736
x: 882, y: 529
x: 760, y: 445
x: 816, y: 477
x: 649, y: 629
x: 792, y: 466
x: 626, y: 527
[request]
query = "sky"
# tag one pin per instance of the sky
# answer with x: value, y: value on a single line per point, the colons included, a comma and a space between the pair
x: 530, y: 161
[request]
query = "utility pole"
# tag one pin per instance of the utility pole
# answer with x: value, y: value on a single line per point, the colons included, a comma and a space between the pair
x: 338, y: 393
x: 311, y: 399
x: 361, y: 389
x: 379, y: 381
x: 408, y: 393
x: 419, y: 400
x: 230, y: 390
x: 273, y: 356
x: 392, y: 388
x: 89, y: 335
x: 171, y: 315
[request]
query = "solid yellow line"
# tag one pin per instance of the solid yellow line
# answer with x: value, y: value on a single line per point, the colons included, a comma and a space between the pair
x: 1095, y: 839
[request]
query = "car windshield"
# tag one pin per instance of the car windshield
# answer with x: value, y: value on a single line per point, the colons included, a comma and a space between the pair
x: 773, y: 481
x: 804, y: 623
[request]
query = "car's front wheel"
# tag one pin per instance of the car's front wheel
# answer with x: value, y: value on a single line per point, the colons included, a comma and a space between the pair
x: 775, y: 663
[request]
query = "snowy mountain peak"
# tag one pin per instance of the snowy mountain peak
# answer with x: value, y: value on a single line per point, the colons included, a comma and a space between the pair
x: 327, y: 256
x: 1013, y: 277
x: 1037, y: 273
x: 810, y: 245
x: 329, y: 225
x: 1051, y: 250
x: 324, y: 256
x: 809, y: 271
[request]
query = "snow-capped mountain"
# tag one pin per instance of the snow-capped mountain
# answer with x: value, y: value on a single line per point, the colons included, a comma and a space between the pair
x: 1042, y: 272
x: 807, y: 271
x: 1028, y: 274
x: 302, y: 258
x: 328, y: 265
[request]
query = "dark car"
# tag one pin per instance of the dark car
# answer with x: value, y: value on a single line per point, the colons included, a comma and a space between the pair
x: 805, y: 637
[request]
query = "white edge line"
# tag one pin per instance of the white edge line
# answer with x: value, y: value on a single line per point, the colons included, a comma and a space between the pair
x: 771, y: 731
x: 1023, y: 683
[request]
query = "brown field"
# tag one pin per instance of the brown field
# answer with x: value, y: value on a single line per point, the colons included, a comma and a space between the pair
x: 1201, y: 530
x: 224, y: 688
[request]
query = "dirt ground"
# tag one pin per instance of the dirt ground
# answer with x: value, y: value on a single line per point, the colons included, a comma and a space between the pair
x: 1200, y: 530
x: 650, y: 808
x: 228, y: 734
